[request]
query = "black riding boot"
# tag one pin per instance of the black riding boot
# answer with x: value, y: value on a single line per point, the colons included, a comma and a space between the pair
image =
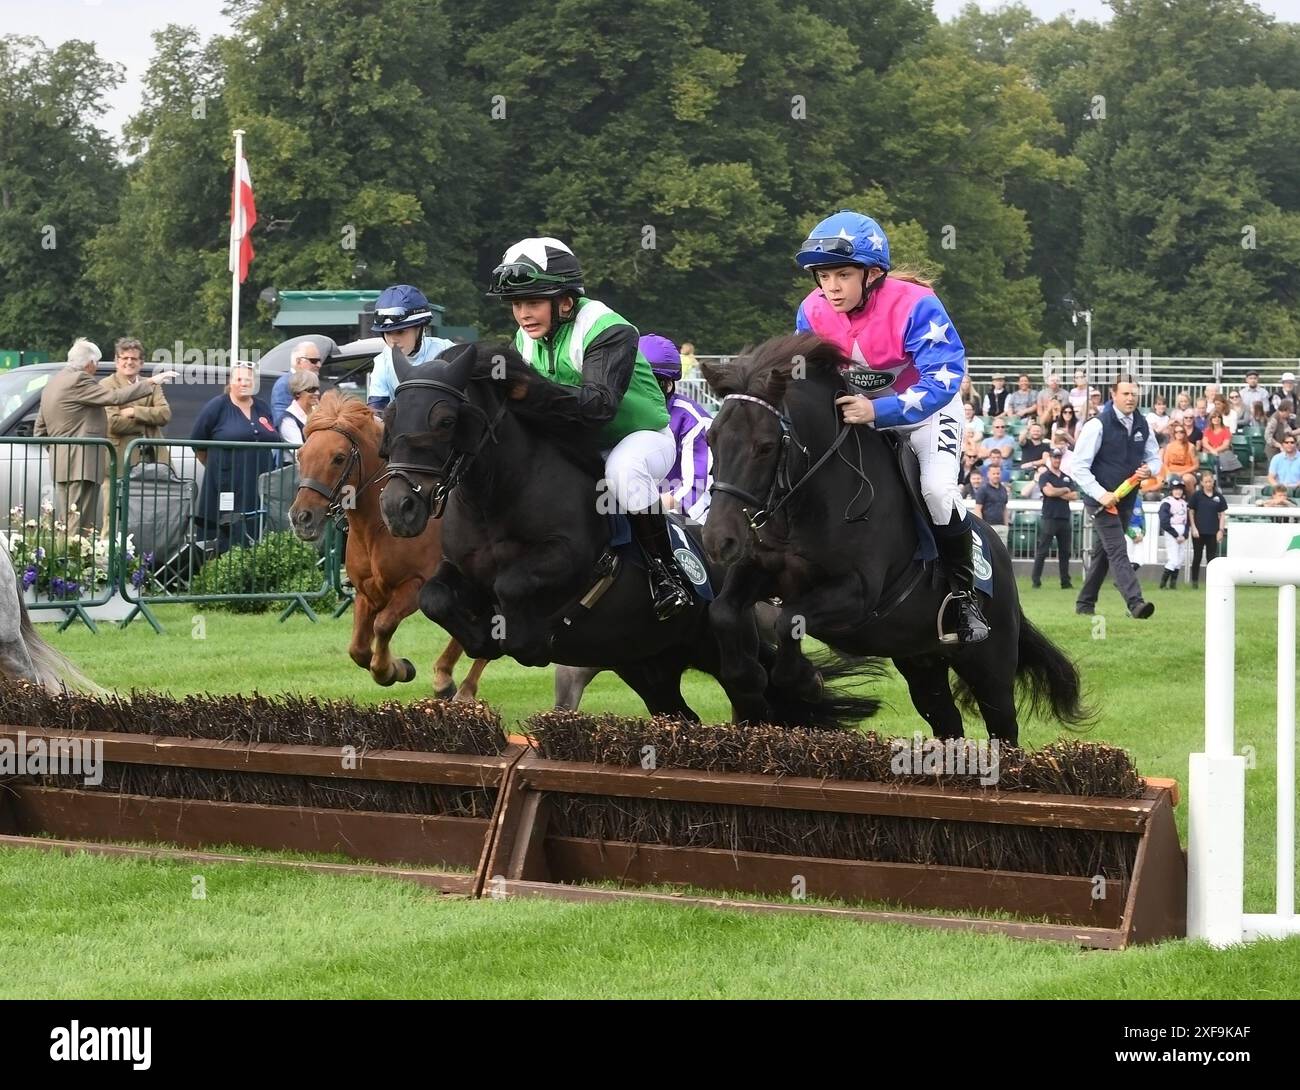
x: 667, y: 591
x: 1164, y: 578
x: 954, y: 544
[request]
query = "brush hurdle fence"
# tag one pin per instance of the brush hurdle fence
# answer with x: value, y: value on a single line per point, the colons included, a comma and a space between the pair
x: 437, y: 794
x: 1216, y: 854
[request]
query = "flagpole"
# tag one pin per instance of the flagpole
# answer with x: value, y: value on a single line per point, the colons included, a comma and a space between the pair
x: 236, y: 220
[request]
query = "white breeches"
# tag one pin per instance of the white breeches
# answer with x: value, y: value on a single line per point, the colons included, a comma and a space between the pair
x: 635, y: 467
x: 1174, y: 552
x: 937, y: 442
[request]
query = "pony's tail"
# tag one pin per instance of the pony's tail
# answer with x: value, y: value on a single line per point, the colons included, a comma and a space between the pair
x: 1049, y: 682
x: 51, y: 669
x: 825, y: 699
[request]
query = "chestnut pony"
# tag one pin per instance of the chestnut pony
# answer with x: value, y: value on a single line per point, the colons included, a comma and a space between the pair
x: 338, y: 467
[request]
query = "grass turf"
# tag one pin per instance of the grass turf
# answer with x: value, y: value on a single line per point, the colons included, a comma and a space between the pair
x: 133, y: 929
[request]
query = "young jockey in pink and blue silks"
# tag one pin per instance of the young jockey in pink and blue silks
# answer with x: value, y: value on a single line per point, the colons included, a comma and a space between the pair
x: 908, y: 363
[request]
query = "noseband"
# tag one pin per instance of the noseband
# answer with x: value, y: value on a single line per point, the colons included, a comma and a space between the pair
x: 448, y: 474
x: 334, y: 506
x: 783, y: 486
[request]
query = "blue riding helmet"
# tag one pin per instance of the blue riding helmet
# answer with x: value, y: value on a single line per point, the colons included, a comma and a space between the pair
x: 846, y: 238
x: 401, y: 307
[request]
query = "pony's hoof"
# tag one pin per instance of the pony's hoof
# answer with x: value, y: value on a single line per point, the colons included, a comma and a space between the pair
x: 447, y: 692
x: 466, y: 695
x: 405, y: 670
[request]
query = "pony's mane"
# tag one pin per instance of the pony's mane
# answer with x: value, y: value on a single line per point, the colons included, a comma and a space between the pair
x: 502, y: 367
x: 764, y: 370
x: 489, y: 358
x: 349, y: 413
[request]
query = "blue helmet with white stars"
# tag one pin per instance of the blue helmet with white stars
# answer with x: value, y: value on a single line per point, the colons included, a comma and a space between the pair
x: 846, y: 238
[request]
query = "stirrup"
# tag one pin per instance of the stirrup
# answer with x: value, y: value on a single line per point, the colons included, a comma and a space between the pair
x: 963, y: 601
x: 667, y: 595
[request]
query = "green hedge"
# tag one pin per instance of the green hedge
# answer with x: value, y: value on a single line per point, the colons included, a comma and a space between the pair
x: 278, y: 564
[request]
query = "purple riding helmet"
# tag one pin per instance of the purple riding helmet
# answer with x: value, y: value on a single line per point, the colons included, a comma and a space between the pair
x: 665, y: 361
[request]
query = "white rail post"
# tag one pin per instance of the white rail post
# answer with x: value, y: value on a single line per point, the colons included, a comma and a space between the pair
x: 1286, y: 754
x: 1216, y: 790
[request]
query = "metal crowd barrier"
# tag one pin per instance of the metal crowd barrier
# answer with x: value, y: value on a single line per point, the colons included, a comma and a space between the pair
x: 62, y: 563
x: 187, y: 536
x: 153, y: 533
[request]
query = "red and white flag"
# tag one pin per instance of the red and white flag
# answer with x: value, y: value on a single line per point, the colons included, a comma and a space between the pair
x: 243, y: 214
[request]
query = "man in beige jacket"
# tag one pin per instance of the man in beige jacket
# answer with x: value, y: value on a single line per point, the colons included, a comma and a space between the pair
x: 143, y: 419
x: 72, y: 405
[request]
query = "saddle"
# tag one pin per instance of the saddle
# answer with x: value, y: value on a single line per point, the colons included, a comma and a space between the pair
x: 909, y: 469
x: 688, y: 551
x: 927, y: 551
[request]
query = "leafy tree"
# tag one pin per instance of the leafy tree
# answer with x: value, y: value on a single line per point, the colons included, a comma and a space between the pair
x: 160, y: 267
x: 59, y: 181
x: 1184, y: 185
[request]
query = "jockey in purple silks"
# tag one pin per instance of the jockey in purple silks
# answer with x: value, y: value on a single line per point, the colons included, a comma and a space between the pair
x: 689, y: 479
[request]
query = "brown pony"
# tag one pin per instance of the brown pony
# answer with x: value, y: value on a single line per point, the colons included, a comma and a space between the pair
x: 338, y: 467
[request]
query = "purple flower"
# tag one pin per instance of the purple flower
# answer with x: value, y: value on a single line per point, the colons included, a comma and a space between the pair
x: 129, y: 556
x: 57, y: 584
x: 71, y: 587
x: 137, y: 577
x: 29, y: 576
x: 148, y: 560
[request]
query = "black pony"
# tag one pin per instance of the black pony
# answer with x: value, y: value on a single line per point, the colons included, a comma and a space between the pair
x: 523, y: 537
x: 817, y: 512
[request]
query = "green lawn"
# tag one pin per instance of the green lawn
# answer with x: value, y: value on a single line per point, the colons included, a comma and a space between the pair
x: 85, y: 926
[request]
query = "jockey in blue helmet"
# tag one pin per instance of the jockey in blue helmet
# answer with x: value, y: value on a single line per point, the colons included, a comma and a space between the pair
x: 687, y: 483
x: 907, y: 365
x: 401, y: 315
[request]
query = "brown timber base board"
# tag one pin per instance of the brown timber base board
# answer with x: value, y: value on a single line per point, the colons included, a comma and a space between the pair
x: 528, y: 859
x: 516, y: 853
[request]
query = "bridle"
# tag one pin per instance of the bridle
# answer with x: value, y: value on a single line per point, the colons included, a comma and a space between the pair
x: 334, y: 507
x: 783, y: 487
x: 447, y: 476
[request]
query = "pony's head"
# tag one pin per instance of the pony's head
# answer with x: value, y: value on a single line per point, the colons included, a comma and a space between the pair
x: 341, y: 436
x: 750, y: 436
x: 432, y: 429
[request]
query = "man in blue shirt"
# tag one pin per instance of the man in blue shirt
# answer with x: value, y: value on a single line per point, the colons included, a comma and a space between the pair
x: 1285, y: 467
x: 991, y: 502
x: 306, y: 357
x: 1055, y: 525
x: 1113, y: 446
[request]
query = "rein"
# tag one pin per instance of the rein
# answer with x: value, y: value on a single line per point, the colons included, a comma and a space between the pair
x: 783, y: 488
x: 448, y: 474
x: 334, y: 506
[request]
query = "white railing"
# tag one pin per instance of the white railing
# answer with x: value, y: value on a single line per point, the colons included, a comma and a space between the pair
x: 1163, y: 376
x: 1216, y: 854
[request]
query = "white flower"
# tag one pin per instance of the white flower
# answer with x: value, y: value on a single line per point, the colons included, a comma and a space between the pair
x: 47, y: 508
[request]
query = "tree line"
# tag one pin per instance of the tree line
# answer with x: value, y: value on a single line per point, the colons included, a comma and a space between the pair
x: 1143, y: 167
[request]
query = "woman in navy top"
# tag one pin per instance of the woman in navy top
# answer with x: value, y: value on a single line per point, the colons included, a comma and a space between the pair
x: 235, y: 416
